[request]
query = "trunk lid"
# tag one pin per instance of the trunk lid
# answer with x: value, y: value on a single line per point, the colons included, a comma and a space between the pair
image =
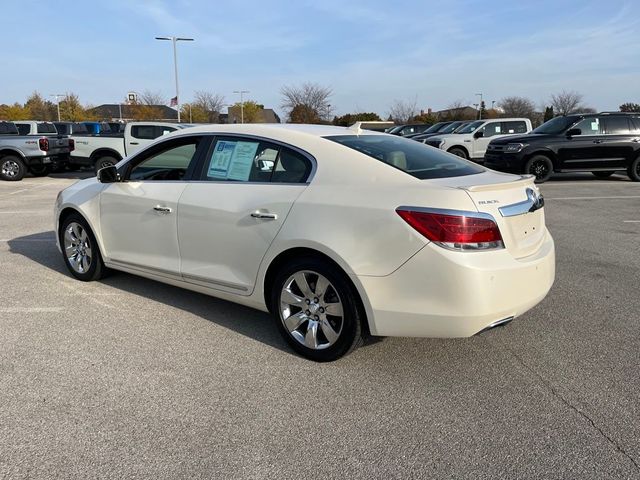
x: 513, y: 201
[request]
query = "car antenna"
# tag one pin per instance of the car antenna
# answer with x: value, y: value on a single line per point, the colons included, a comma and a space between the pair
x: 356, y: 127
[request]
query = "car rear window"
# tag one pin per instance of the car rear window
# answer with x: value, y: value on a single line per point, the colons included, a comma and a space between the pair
x: 415, y: 158
x: 47, y: 128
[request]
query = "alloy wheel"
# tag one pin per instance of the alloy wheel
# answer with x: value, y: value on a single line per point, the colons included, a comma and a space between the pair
x: 311, y: 310
x: 540, y: 169
x: 77, y: 247
x: 10, y: 168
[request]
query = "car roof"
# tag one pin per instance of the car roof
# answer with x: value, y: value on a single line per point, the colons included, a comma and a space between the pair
x: 280, y: 130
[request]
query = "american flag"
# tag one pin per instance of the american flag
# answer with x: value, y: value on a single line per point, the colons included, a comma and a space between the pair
x: 173, y: 102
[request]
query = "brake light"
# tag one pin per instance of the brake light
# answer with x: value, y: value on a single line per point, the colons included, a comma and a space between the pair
x: 72, y: 144
x: 453, y: 229
x: 44, y: 144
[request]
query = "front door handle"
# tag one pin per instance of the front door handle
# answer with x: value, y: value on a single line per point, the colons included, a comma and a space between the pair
x: 133, y: 143
x: 635, y: 140
x: 160, y: 208
x: 598, y: 141
x: 259, y: 214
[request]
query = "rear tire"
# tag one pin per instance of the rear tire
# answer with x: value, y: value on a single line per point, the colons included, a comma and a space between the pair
x: 12, y: 168
x: 40, y: 170
x: 606, y: 174
x: 458, y: 152
x: 323, y: 308
x: 541, y: 167
x: 80, y: 249
x: 634, y: 170
x: 104, y: 162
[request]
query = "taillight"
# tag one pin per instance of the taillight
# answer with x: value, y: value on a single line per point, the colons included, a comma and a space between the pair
x: 72, y: 144
x: 44, y: 144
x: 454, y: 230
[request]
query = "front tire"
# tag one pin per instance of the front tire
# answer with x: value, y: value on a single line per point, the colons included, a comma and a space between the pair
x: 458, y: 152
x: 104, y: 162
x: 634, y: 170
x: 541, y: 167
x: 80, y: 249
x: 12, y: 168
x: 316, y: 309
x: 40, y: 170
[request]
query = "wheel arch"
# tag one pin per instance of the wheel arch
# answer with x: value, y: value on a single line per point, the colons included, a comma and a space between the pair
x: 12, y: 151
x: 289, y: 254
x: 105, y: 152
x: 68, y: 210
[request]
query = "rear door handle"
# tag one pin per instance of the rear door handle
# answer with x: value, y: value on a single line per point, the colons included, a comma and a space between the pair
x: 133, y: 143
x: 265, y: 215
x: 160, y: 208
x: 598, y: 141
x: 635, y: 140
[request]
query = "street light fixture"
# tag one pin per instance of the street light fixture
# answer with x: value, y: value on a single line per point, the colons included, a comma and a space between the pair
x: 175, y: 64
x: 241, y: 92
x: 480, y: 109
x: 57, y: 95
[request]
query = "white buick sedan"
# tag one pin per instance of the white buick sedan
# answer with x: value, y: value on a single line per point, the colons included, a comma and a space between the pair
x: 338, y: 232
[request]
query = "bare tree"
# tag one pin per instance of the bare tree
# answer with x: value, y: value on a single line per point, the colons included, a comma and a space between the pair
x: 152, y: 98
x: 312, y: 96
x: 208, y: 105
x: 517, y: 107
x: 401, y: 111
x: 565, y: 103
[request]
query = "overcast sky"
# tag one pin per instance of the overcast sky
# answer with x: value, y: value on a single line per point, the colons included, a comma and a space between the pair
x: 369, y: 52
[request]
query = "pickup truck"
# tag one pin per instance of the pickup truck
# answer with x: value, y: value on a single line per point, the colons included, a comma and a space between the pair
x: 71, y: 128
x: 49, y: 129
x: 471, y: 141
x: 102, y: 151
x: 22, y: 153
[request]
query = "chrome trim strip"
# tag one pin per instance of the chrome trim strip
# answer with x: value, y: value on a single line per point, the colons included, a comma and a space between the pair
x: 534, y: 201
x: 173, y: 275
x: 196, y: 278
x: 446, y: 211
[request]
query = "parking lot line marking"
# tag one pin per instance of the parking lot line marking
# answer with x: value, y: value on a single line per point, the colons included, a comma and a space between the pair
x: 24, y: 211
x: 26, y: 240
x: 631, y: 221
x: 30, y: 309
x: 593, y: 198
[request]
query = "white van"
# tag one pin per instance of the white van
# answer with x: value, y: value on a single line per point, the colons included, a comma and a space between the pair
x: 471, y: 141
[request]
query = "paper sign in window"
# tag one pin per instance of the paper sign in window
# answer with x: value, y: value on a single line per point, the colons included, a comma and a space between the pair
x: 242, y: 161
x: 220, y: 160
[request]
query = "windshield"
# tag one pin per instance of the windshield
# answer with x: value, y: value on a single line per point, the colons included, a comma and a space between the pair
x: 472, y: 127
x: 436, y: 127
x: 556, y: 125
x: 413, y: 158
x: 451, y: 128
x: 395, y: 129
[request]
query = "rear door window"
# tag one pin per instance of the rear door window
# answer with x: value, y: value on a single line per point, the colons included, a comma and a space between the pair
x: 47, y: 128
x: 617, y: 125
x: 514, y: 127
x: 491, y: 129
x: 23, y: 128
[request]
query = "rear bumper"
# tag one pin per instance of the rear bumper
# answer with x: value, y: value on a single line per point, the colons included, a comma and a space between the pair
x: 441, y: 293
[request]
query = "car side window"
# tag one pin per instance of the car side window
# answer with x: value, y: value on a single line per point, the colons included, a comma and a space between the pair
x: 491, y: 129
x: 514, y: 127
x: 23, y: 128
x: 589, y: 126
x: 150, y: 132
x: 168, y: 161
x: 635, y: 124
x: 236, y: 159
x: 617, y: 125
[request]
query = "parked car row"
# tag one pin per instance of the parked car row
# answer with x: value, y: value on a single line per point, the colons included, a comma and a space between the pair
x: 42, y: 147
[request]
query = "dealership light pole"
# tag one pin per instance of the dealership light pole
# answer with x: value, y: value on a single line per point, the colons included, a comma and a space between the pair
x: 57, y: 95
x: 480, y: 109
x: 175, y: 64
x: 241, y: 92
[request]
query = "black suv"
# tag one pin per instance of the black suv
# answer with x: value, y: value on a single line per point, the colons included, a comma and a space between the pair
x: 602, y: 143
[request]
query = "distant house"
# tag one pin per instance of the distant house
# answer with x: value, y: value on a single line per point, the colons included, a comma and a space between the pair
x: 113, y: 112
x: 459, y: 113
x: 265, y: 115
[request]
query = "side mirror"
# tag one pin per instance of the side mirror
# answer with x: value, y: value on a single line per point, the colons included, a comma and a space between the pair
x: 573, y: 132
x: 478, y: 134
x: 108, y: 174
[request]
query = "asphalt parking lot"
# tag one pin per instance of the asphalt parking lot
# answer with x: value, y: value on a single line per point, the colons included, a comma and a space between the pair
x: 129, y: 378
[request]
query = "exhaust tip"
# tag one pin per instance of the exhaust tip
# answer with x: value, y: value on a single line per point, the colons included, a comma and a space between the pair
x: 497, y: 323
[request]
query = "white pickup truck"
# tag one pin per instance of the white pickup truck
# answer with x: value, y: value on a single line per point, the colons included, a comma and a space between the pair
x: 471, y: 141
x: 101, y: 151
